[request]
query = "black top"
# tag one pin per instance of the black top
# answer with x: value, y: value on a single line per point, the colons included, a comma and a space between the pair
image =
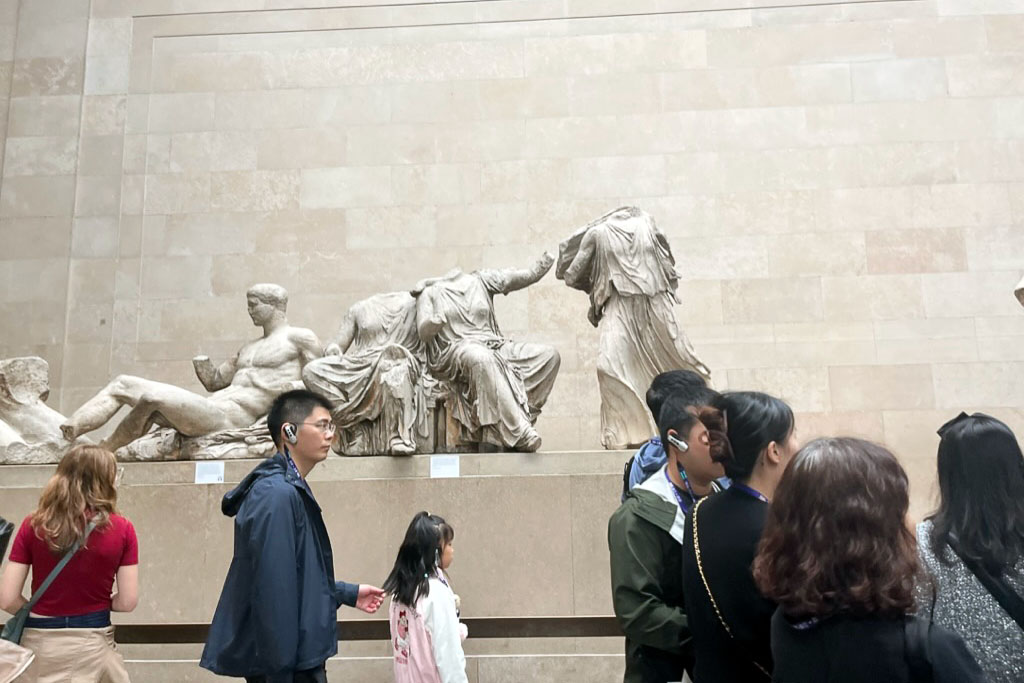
x: 730, y: 525
x: 845, y: 649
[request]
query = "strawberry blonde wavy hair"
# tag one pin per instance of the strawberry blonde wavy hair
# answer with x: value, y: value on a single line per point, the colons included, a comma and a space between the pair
x: 81, y: 490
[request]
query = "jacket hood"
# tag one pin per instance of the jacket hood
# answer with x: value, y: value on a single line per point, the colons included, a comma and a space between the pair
x: 232, y: 501
x: 651, y: 457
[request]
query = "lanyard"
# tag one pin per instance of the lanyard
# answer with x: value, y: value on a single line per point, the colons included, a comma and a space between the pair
x: 753, y: 493
x: 288, y: 457
x: 675, y: 491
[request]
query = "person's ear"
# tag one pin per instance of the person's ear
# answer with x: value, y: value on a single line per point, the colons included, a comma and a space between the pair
x: 771, y: 454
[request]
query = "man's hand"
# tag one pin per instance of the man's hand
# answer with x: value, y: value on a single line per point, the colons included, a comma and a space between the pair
x: 369, y: 599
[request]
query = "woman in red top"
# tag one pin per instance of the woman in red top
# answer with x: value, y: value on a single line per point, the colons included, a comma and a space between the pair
x: 69, y: 628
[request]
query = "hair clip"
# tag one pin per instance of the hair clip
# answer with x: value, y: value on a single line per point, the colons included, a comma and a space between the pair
x: 945, y: 428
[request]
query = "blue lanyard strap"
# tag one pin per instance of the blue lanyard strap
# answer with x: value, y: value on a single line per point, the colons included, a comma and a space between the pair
x: 675, y: 491
x: 753, y: 493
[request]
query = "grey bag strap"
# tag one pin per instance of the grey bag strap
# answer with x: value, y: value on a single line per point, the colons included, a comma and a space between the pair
x: 60, y: 566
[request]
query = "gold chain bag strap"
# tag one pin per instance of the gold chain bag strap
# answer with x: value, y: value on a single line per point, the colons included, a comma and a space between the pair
x: 707, y: 587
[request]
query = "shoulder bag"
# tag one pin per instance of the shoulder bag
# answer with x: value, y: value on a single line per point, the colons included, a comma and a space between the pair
x: 997, y: 586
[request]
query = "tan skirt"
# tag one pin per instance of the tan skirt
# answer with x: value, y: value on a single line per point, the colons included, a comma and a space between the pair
x: 73, y: 655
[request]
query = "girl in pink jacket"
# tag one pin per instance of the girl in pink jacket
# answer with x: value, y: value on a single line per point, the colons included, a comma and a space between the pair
x: 426, y: 636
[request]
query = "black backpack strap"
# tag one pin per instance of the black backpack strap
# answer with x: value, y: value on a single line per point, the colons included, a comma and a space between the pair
x: 917, y: 649
x: 997, y: 586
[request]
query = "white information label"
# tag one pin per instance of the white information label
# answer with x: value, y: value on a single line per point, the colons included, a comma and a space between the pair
x: 210, y: 472
x: 444, y: 466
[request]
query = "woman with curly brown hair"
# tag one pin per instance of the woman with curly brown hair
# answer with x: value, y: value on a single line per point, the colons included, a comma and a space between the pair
x: 69, y: 627
x: 838, y: 558
x: 752, y: 435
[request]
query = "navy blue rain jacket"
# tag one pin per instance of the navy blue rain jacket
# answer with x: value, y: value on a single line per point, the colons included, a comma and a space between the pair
x: 278, y: 609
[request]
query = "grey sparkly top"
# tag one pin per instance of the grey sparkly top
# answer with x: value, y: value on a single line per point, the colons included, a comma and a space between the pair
x: 964, y: 606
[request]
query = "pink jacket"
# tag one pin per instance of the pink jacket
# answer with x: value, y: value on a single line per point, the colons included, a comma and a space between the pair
x: 425, y: 641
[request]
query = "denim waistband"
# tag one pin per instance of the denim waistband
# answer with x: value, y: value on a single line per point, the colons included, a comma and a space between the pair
x: 98, y: 619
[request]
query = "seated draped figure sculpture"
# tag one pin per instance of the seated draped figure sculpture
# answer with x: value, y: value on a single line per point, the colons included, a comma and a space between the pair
x: 497, y: 387
x: 374, y: 375
x: 626, y: 266
x: 243, y: 387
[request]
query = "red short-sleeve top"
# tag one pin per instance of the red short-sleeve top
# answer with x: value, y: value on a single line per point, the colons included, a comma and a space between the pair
x: 86, y: 583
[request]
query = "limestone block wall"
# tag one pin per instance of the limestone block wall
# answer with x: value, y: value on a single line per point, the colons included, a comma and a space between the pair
x: 843, y: 184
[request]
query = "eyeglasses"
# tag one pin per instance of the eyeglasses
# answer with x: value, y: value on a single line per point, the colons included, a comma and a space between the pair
x: 325, y: 426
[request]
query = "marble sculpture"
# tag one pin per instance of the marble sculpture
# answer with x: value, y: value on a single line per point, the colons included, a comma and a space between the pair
x: 29, y: 429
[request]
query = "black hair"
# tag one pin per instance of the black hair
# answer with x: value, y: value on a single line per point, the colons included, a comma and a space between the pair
x: 294, y: 407
x: 741, y: 424
x: 417, y: 559
x: 981, y: 493
x: 685, y: 384
x: 675, y: 417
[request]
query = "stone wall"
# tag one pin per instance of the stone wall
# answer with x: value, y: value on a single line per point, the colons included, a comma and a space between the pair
x: 843, y: 185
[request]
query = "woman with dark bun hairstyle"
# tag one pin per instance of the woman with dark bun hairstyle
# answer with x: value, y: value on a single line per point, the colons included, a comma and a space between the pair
x: 838, y: 558
x: 979, y: 522
x: 752, y: 435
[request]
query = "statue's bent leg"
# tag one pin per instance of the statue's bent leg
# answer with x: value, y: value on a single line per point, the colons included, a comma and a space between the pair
x: 188, y: 413
x: 398, y: 412
x: 538, y: 365
x: 97, y: 411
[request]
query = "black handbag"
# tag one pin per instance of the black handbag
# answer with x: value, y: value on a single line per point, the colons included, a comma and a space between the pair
x: 997, y: 586
x: 14, y: 628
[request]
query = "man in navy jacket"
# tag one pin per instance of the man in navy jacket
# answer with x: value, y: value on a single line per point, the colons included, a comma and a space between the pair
x: 276, y: 619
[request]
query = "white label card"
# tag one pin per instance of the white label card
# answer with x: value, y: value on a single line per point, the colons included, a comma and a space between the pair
x: 444, y: 466
x: 210, y: 472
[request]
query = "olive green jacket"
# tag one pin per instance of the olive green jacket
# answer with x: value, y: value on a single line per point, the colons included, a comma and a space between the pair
x: 644, y: 542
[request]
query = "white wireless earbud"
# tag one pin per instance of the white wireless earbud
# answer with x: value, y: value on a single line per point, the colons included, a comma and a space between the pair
x: 678, y: 443
x: 289, y: 433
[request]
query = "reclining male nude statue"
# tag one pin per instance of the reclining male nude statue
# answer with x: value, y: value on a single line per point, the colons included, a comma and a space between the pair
x: 501, y: 385
x: 244, y: 387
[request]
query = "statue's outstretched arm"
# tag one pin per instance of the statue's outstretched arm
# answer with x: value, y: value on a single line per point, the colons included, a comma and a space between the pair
x: 215, y: 378
x: 308, y: 344
x: 520, y: 278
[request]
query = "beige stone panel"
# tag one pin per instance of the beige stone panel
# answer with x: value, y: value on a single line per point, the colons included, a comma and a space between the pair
x: 40, y: 331
x: 530, y: 179
x: 615, y: 53
x: 559, y: 433
x: 46, y: 11
x: 1001, y: 348
x: 901, y: 164
x: 875, y: 297
x: 554, y: 220
x: 752, y: 87
x: 95, y: 237
x: 579, y: 136
x: 722, y: 356
x: 91, y: 280
x: 551, y: 310
x: 211, y: 72
x: 109, y: 36
x: 972, y: 7
x: 40, y: 156
x: 943, y: 119
x: 826, y: 353
x: 41, y: 116
x: 176, y: 277
x: 209, y: 151
x: 392, y: 144
x: 301, y: 148
x: 323, y: 107
x: 134, y: 159
x: 969, y: 294
x: 759, y: 171
x: 480, y: 141
x: 133, y: 195
x: 489, y: 224
x: 127, y: 281
x: 89, y: 323
x: 220, y: 318
x: 531, y: 97
x: 772, y: 300
x: 34, y: 279
x: 995, y: 248
x: 834, y: 253
x: 927, y: 36
x: 910, y: 435
x: 944, y: 350
x: 104, y: 114
x: 437, y: 184
x: 618, y: 176
x: 982, y: 384
x: 254, y: 190
x: 596, y: 668
x: 170, y: 193
x: 784, y: 45
x: 980, y: 75
x: 823, y: 332
x: 1005, y: 33
x: 412, y: 226
x: 329, y: 188
x: 51, y: 39
x: 32, y: 238
x: 902, y: 79
x: 916, y: 251
x: 863, y: 425
x: 614, y: 94
x: 957, y: 205
x: 574, y: 394
x: 86, y: 367
x: 804, y: 389
x: 882, y: 387
x: 988, y: 161
x: 37, y: 196
x: 97, y: 195
x: 100, y: 154
x: 157, y: 151
x: 434, y: 102
x: 701, y: 302
x: 181, y: 112
x: 744, y: 256
x: 47, y: 76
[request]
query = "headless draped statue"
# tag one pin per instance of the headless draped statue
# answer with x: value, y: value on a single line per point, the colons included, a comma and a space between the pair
x: 498, y: 386
x: 626, y: 266
x: 373, y: 375
x: 244, y: 387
